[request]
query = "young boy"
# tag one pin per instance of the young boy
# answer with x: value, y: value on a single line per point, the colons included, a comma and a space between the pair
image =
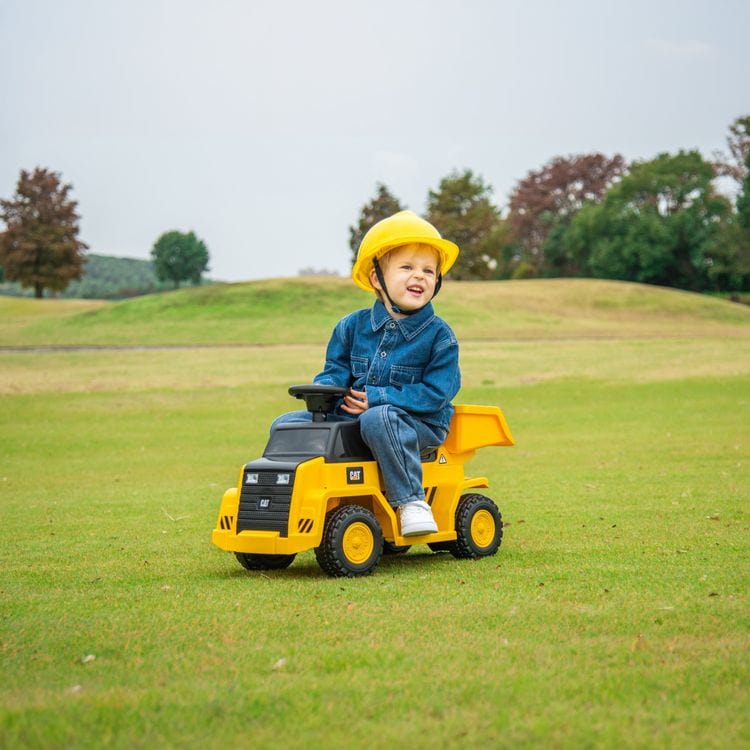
x: 398, y: 359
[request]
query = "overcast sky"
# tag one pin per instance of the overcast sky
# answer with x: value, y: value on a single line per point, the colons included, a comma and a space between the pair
x: 264, y: 126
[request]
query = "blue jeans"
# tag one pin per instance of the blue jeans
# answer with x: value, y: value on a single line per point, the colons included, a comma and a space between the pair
x: 397, y: 439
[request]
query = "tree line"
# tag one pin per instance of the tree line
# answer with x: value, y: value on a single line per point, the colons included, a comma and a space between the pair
x: 661, y: 221
x: 106, y: 277
x: 40, y: 248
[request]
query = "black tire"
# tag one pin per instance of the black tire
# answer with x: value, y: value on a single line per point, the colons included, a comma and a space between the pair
x: 479, y: 526
x: 251, y: 561
x: 352, y: 542
x: 389, y: 548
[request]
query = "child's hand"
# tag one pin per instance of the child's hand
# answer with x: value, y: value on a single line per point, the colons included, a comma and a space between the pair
x: 355, y: 402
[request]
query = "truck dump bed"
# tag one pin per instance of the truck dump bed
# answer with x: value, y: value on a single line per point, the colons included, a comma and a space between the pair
x: 475, y: 427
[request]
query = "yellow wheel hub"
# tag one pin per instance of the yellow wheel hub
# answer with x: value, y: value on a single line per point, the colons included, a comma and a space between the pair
x: 482, y: 528
x: 358, y: 543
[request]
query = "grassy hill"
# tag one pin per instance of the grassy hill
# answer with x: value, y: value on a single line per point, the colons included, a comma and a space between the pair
x: 304, y: 311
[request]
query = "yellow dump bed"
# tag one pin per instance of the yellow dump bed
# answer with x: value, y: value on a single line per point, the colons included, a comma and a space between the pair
x: 474, y: 427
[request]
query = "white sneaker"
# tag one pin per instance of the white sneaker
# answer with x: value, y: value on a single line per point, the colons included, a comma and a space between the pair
x: 416, y: 518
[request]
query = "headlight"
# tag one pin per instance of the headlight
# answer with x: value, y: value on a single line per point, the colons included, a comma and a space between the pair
x: 282, y: 479
x: 251, y: 478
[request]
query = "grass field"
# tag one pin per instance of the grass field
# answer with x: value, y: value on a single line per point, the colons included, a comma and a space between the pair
x: 615, y: 614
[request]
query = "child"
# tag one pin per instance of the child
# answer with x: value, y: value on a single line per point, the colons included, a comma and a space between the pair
x: 398, y: 359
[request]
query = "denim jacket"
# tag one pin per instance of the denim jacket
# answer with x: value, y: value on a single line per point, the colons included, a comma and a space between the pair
x: 411, y: 363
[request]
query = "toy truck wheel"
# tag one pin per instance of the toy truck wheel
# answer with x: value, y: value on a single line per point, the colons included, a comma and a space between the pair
x: 479, y: 527
x: 352, y: 542
x: 251, y: 561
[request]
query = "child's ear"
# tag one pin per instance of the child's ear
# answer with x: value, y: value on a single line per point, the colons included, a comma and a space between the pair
x: 374, y: 280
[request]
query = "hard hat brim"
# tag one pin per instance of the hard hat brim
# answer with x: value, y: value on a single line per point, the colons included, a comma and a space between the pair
x: 447, y: 250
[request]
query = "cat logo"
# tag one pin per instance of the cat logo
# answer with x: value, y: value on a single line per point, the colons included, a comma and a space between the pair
x: 264, y: 502
x: 443, y: 459
x: 355, y: 475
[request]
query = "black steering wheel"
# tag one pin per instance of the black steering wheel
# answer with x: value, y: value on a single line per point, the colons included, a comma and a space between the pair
x: 319, y: 399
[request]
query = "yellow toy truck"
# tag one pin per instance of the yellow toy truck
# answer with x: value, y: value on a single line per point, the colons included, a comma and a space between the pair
x: 318, y: 487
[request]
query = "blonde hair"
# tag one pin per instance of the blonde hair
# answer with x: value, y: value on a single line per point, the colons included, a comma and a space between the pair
x: 385, y: 258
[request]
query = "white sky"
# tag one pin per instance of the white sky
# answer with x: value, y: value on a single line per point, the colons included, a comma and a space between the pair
x: 264, y: 125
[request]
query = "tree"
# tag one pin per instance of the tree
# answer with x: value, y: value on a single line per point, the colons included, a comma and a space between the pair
x: 734, y: 164
x: 462, y: 211
x: 658, y: 225
x: 383, y: 205
x: 544, y: 202
x: 179, y: 257
x: 743, y: 198
x: 730, y: 267
x: 40, y: 246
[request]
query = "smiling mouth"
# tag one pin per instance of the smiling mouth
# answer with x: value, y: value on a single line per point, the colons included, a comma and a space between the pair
x: 415, y: 289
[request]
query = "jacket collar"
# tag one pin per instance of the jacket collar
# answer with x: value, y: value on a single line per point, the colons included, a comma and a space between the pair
x: 410, y: 326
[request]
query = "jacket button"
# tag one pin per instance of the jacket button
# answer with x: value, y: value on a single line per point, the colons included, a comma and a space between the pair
x: 383, y: 354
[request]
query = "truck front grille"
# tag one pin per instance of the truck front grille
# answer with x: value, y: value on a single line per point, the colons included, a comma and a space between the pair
x: 264, y: 504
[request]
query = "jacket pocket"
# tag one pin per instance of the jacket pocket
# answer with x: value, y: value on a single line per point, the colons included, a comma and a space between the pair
x: 359, y: 366
x: 402, y: 375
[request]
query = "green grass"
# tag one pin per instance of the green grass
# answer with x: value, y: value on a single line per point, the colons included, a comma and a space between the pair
x: 250, y: 313
x: 614, y: 615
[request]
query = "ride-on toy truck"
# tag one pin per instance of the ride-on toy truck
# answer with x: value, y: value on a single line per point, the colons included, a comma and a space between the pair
x: 318, y: 487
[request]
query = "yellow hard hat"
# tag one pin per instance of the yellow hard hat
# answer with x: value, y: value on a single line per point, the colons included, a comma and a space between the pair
x: 403, y: 228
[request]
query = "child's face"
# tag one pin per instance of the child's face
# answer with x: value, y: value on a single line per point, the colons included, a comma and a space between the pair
x: 410, y: 273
